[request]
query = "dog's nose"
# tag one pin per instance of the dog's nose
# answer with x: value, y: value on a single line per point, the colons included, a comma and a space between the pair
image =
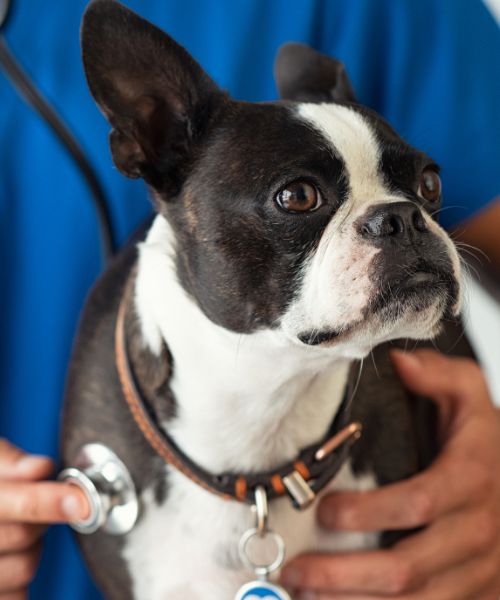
x: 401, y: 220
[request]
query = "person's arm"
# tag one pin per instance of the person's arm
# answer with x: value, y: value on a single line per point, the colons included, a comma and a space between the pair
x: 26, y: 504
x: 481, y: 234
x: 482, y: 231
x: 456, y: 556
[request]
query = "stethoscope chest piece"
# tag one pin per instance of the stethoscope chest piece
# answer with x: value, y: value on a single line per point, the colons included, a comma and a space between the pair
x: 106, y: 482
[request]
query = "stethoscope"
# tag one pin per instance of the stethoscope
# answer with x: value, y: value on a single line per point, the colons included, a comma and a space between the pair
x: 32, y: 96
x: 96, y: 470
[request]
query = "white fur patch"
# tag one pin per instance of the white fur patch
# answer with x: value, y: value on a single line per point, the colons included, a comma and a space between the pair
x: 353, y: 140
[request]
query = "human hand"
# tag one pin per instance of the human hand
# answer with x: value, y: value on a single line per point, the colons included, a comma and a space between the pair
x: 26, y: 504
x: 457, y: 501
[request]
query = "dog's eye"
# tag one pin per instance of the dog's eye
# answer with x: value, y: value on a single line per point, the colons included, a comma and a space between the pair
x: 430, y: 186
x: 298, y: 196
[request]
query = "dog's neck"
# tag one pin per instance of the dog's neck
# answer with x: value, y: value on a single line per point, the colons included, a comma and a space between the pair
x: 244, y: 401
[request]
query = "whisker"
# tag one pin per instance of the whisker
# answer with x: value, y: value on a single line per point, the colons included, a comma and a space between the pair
x: 470, y: 247
x: 375, y: 364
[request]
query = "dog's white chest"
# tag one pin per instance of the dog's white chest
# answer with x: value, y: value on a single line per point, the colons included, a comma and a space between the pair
x: 187, y: 547
x: 254, y: 402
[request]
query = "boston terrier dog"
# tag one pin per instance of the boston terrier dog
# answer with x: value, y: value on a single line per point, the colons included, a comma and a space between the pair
x: 290, y: 239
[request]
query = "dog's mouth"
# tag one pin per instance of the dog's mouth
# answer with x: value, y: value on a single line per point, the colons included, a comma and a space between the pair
x: 411, y: 291
x: 416, y: 288
x: 315, y: 338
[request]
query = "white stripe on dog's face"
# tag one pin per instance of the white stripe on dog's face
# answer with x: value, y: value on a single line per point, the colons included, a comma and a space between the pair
x: 338, y: 283
x: 351, y: 139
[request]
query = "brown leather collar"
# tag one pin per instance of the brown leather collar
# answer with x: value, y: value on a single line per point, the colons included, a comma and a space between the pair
x: 313, y: 468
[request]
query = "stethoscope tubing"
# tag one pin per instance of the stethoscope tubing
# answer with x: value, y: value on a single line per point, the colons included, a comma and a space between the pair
x: 27, y: 90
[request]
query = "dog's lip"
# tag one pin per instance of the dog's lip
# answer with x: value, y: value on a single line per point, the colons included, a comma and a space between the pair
x: 412, y: 283
x: 420, y: 277
x: 418, y: 281
x: 315, y: 338
x: 425, y: 280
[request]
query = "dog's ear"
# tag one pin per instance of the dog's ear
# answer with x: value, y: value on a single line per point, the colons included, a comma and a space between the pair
x: 304, y: 75
x: 156, y: 97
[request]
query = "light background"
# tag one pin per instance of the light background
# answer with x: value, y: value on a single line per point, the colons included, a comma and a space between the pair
x: 482, y: 312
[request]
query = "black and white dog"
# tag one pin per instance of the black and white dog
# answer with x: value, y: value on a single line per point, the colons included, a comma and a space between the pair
x: 291, y: 238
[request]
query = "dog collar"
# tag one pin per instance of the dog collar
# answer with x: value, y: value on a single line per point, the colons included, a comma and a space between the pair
x: 302, y: 479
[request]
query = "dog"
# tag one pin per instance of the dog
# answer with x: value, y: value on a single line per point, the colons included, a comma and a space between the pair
x: 290, y: 239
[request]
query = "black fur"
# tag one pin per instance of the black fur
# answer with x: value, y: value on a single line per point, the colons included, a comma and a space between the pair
x: 304, y: 75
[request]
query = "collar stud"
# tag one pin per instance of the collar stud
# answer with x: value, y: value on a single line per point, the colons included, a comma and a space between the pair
x: 299, y: 490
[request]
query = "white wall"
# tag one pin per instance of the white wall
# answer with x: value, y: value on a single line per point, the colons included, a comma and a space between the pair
x: 482, y: 315
x: 482, y: 321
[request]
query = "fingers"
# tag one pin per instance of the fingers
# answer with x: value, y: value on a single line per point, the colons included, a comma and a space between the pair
x: 457, y: 555
x: 442, y: 378
x: 459, y: 476
x: 19, y: 558
x: 309, y: 596
x: 20, y: 497
x: 407, y: 504
x: 16, y: 537
x: 441, y: 546
x: 363, y: 572
x: 17, y: 570
x: 21, y: 595
x: 464, y: 582
x: 408, y: 566
x: 17, y: 465
x: 45, y: 502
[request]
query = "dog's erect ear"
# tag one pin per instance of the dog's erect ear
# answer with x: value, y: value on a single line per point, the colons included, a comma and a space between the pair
x: 154, y: 94
x: 304, y: 75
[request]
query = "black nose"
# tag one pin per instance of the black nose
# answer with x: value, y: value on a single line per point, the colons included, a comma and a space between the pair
x: 401, y: 220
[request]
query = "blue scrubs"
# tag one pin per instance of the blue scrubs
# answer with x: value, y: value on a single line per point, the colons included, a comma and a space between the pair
x: 430, y: 67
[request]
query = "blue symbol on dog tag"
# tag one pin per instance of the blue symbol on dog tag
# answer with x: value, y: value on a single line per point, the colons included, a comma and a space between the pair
x: 261, y: 590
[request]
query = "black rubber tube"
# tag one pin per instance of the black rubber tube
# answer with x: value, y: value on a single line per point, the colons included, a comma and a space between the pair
x: 33, y: 98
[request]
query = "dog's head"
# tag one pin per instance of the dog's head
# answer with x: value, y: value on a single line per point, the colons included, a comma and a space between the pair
x: 309, y: 216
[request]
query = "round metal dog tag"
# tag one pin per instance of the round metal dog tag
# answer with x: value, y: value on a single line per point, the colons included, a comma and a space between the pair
x: 262, y: 590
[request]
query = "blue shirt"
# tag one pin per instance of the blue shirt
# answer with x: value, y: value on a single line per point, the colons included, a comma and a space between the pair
x: 430, y: 67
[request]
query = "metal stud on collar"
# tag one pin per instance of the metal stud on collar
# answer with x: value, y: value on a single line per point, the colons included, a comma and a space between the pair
x: 299, y: 490
x: 106, y: 482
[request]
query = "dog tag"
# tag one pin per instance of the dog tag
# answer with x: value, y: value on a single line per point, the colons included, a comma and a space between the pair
x: 261, y: 590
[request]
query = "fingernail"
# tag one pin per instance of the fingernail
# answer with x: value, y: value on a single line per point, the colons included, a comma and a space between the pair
x: 336, y: 517
x: 327, y: 515
x: 72, y: 507
x: 306, y: 595
x: 291, y: 576
x: 28, y: 464
x: 410, y: 359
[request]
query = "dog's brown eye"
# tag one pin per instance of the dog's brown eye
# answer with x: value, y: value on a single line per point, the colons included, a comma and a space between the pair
x: 430, y: 186
x: 298, y: 196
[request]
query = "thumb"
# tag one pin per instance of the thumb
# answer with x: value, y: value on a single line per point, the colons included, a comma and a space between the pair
x: 15, y: 464
x: 453, y: 383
